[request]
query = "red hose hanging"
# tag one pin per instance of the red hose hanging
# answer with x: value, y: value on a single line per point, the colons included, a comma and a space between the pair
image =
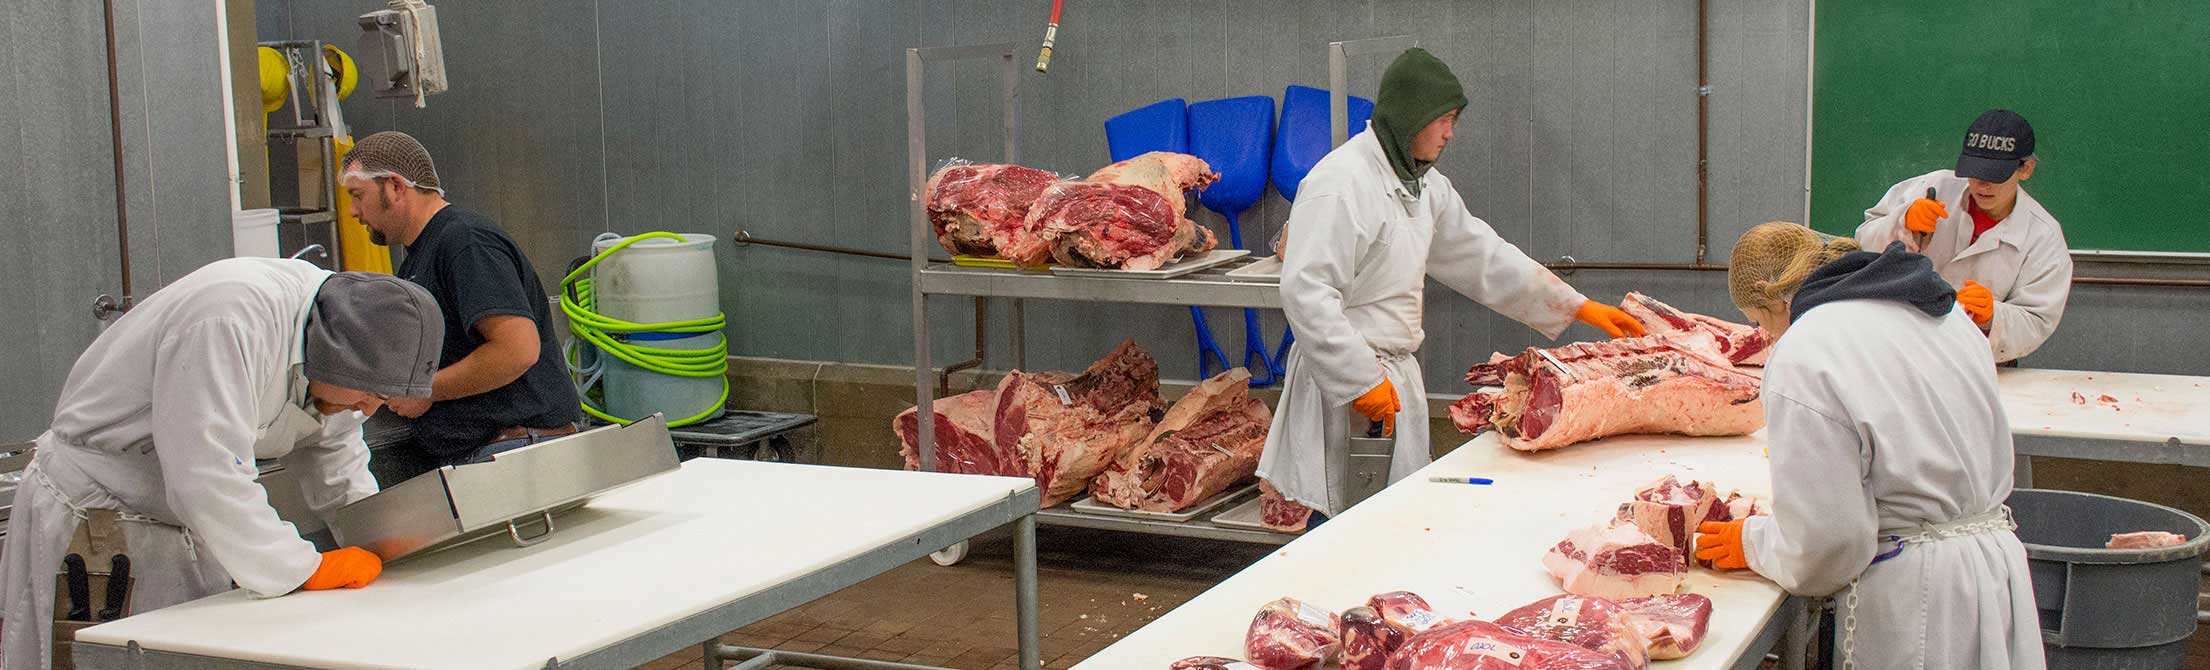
x: 1051, y: 34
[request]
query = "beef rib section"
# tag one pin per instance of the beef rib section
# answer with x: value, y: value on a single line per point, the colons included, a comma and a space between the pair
x: 977, y: 208
x: 1671, y: 511
x: 1615, y: 560
x: 1743, y: 345
x: 1674, y: 383
x: 1130, y: 215
x: 1208, y: 441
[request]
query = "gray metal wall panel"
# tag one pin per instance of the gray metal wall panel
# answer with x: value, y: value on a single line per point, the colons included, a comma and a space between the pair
x: 174, y: 139
x: 789, y: 121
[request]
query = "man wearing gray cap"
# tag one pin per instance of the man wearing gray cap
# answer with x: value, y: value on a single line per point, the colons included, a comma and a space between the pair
x: 163, y: 416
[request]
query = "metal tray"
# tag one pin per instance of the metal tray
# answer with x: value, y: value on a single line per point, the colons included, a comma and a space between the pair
x: 1244, y: 516
x: 1089, y: 505
x: 1265, y: 270
x: 1170, y: 271
x: 518, y: 489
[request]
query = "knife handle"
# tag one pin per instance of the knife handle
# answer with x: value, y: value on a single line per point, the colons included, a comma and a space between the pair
x: 79, y: 582
x: 118, y: 588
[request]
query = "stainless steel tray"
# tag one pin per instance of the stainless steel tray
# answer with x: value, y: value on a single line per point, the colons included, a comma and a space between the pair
x: 1090, y: 505
x: 513, y: 491
x: 1246, y: 516
x: 1170, y: 271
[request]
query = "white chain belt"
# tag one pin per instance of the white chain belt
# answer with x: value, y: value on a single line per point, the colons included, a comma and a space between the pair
x: 1998, y: 520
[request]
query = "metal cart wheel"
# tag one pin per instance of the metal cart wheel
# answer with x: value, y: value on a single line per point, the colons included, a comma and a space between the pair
x: 774, y: 450
x: 951, y: 555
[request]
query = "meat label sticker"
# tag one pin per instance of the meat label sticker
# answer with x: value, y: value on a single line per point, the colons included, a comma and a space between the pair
x: 1496, y: 650
x: 1064, y: 399
x: 1565, y: 612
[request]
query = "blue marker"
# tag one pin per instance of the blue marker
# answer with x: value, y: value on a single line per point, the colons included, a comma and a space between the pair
x: 1482, y: 481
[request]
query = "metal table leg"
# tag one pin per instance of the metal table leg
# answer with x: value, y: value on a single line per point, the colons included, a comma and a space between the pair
x: 1024, y: 592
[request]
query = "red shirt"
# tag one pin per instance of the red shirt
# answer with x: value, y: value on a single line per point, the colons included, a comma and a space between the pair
x: 1981, y: 221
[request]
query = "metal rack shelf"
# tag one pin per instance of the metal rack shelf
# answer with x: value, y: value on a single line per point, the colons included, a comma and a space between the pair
x: 1209, y: 287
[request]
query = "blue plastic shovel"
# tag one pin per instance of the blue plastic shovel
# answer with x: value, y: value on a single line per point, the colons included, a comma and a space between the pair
x: 1299, y: 144
x: 1235, y: 136
x: 1163, y: 126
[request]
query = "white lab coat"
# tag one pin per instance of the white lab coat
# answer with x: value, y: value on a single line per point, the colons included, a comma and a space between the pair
x: 1907, y: 403
x: 1358, y: 249
x: 2023, y: 260
x: 161, y: 419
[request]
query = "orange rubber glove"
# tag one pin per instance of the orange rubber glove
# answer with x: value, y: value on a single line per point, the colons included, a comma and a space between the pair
x: 1380, y: 404
x: 1720, y: 542
x: 345, y: 568
x: 1977, y: 301
x: 1923, y: 213
x: 1609, y: 319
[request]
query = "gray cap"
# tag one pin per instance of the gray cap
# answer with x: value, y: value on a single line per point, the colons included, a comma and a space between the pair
x: 375, y: 333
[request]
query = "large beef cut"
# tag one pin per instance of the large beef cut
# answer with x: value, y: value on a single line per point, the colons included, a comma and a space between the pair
x: 964, y: 443
x: 1130, y: 215
x: 1060, y: 429
x: 1670, y: 625
x: 1673, y: 383
x: 1671, y: 511
x: 1615, y: 560
x: 975, y: 209
x: 1591, y: 623
x: 1278, y: 512
x: 1480, y: 645
x: 1743, y: 345
x: 1208, y: 441
x: 1289, y: 634
x: 1375, y: 631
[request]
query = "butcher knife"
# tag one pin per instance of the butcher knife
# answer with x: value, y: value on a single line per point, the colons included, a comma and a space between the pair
x: 1560, y: 365
x: 118, y: 587
x: 1920, y: 239
x: 80, y: 588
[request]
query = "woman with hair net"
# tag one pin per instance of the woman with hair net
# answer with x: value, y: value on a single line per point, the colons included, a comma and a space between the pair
x: 1878, y: 372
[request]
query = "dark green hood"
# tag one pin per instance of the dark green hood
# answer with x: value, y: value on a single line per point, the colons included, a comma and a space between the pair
x: 1416, y: 90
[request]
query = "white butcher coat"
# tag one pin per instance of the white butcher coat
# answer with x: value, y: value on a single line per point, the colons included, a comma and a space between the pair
x: 1907, y: 403
x: 2023, y: 260
x: 161, y: 419
x: 1358, y: 249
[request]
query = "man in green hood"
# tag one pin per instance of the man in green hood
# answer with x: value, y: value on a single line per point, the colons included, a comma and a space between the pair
x: 1372, y: 221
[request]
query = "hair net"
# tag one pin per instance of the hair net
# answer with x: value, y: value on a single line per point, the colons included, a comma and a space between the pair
x: 393, y: 154
x: 1772, y: 259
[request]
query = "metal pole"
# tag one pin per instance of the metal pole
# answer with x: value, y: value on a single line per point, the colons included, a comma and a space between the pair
x: 1024, y: 592
x: 1339, y: 104
x: 916, y: 122
x: 1012, y: 115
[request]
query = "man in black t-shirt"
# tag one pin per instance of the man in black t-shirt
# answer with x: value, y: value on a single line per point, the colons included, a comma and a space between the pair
x: 499, y: 384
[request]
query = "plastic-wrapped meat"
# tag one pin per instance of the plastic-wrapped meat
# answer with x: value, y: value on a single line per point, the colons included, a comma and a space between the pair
x: 1595, y: 624
x: 1211, y: 663
x: 1480, y: 645
x: 1671, y: 511
x: 1615, y: 560
x: 1671, y: 626
x: 1289, y: 634
x: 1372, y: 632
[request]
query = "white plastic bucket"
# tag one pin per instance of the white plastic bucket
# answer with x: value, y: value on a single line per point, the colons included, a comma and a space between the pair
x: 253, y: 233
x: 653, y: 281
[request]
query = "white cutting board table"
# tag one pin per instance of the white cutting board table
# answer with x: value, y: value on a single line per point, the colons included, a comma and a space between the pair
x: 640, y: 572
x: 2148, y: 419
x: 1478, y: 549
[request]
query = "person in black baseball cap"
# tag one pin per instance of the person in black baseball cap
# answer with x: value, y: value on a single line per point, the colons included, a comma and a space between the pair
x: 2006, y: 256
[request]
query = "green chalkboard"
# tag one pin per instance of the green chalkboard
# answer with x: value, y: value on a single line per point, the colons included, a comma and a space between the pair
x: 2118, y: 93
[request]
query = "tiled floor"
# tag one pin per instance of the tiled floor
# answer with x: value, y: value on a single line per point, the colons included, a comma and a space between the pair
x: 1094, y: 588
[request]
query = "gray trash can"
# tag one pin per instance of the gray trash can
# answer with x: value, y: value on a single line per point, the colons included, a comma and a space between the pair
x: 2110, y: 609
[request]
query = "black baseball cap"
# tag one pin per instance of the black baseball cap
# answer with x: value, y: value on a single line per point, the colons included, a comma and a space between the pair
x: 1998, y: 142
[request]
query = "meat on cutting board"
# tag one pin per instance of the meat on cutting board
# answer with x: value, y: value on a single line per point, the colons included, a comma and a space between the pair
x: 1130, y: 215
x: 1673, y: 383
x: 1670, y: 512
x: 1671, y: 626
x: 1480, y: 645
x: 1743, y: 345
x: 1290, y: 634
x: 1373, y: 632
x: 1592, y: 623
x: 1059, y: 428
x: 1279, y: 513
x: 977, y: 208
x: 2148, y: 539
x: 1738, y: 506
x: 1208, y: 441
x: 1615, y: 560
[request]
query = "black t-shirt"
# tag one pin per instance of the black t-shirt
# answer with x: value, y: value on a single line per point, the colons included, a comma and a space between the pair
x: 475, y: 271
